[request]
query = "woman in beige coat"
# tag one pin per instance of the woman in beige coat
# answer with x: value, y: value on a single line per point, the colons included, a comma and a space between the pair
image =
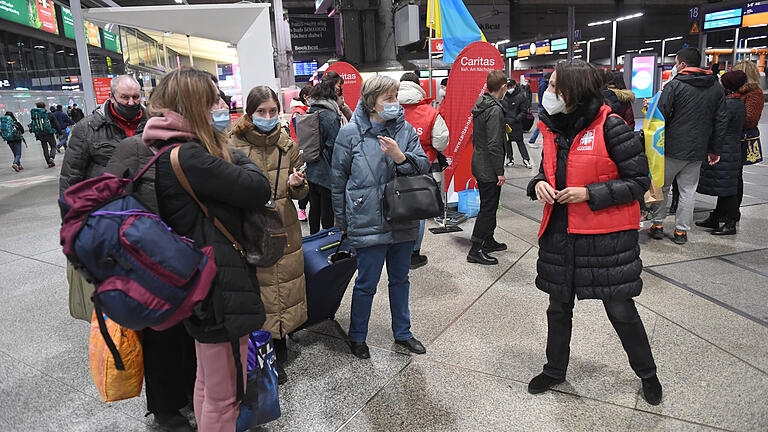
x: 259, y: 134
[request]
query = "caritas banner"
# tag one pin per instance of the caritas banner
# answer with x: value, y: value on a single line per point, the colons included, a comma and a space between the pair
x: 466, y: 83
x: 353, y: 82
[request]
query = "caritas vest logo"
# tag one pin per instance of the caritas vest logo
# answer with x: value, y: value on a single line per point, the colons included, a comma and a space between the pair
x: 587, y: 142
x: 349, y: 78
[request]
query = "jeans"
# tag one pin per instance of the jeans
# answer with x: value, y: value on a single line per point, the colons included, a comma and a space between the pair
x: 64, y: 137
x: 216, y: 405
x: 16, y: 149
x: 625, y: 320
x: 687, y: 175
x: 422, y: 228
x: 485, y: 224
x: 48, y: 142
x: 320, y: 208
x: 370, y: 263
x: 534, y: 135
x: 520, y: 146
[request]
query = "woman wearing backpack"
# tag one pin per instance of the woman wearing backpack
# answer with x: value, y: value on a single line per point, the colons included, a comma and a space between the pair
x: 260, y: 136
x: 13, y: 137
x: 233, y: 309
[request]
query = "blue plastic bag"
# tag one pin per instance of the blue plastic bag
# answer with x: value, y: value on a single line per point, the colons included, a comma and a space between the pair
x: 261, y: 403
x: 469, y: 200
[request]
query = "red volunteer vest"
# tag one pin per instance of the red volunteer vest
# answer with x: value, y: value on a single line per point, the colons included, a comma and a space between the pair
x: 299, y: 110
x: 588, y: 163
x: 422, y: 117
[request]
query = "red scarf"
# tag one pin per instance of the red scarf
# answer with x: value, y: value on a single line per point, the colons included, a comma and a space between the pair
x: 128, y: 126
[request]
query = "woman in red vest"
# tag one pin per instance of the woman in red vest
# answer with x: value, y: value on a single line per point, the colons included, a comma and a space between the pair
x: 593, y: 171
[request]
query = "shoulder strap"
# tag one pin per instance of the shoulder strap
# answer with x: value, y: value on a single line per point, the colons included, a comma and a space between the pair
x: 153, y: 160
x: 277, y: 175
x: 187, y: 187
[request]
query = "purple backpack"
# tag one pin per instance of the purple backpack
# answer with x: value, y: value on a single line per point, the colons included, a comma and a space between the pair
x: 145, y: 274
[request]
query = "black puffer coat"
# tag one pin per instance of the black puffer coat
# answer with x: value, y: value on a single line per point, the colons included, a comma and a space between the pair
x: 597, y: 266
x: 130, y: 156
x: 488, y: 137
x: 722, y: 178
x: 233, y: 307
x: 515, y: 108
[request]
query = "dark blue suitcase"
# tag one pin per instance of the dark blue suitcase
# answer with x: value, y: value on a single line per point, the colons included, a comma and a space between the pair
x: 329, y: 264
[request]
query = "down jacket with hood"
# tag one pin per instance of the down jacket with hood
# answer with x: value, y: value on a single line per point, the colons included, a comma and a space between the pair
x: 693, y: 105
x: 90, y: 147
x: 233, y: 307
x: 360, y: 173
x: 283, y: 288
x: 516, y: 107
x: 722, y: 178
x: 593, y: 266
x: 411, y: 93
x: 489, y: 132
x: 620, y: 101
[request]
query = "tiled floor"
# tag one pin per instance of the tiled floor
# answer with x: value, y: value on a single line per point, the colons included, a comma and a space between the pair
x: 704, y: 307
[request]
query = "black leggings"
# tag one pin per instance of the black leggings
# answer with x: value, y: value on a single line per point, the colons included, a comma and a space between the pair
x: 320, y: 208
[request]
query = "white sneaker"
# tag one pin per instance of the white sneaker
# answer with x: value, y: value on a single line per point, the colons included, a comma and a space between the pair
x: 527, y: 164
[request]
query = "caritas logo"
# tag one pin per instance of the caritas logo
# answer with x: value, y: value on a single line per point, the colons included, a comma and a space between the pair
x: 349, y: 78
x: 587, y: 142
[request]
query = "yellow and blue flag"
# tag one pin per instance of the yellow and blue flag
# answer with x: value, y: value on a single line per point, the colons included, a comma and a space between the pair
x: 653, y: 130
x: 454, y: 24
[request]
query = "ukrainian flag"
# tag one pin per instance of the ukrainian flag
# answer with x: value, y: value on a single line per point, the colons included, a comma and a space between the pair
x: 453, y: 22
x: 653, y: 130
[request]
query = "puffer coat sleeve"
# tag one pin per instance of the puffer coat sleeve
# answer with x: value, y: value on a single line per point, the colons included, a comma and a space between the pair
x: 626, y: 149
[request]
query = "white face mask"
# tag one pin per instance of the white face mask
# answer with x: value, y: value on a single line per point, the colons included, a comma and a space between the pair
x: 673, y: 73
x: 553, y: 103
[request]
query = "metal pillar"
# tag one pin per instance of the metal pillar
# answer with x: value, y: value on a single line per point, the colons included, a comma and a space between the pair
x: 736, y: 47
x: 82, y: 57
x: 165, y: 54
x: 703, y: 48
x: 663, y: 48
x: 283, y: 42
x: 189, y: 47
x: 571, y: 30
x: 613, y: 45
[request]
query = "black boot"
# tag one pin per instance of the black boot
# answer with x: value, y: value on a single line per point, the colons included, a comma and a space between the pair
x: 418, y: 260
x: 711, y: 222
x: 477, y: 256
x: 173, y: 422
x: 652, y: 390
x: 541, y: 383
x: 281, y: 355
x: 728, y: 228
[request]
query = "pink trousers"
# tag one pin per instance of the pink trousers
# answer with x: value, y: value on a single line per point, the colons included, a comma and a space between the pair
x: 215, y: 388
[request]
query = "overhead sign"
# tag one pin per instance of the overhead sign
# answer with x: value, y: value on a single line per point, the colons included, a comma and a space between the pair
x: 755, y: 13
x: 559, y: 44
x: 524, y: 50
x: 304, y: 68
x: 722, y: 19
x: 91, y: 30
x: 312, y: 34
x: 101, y: 87
x: 92, y: 34
x: 542, y: 47
x: 437, y: 45
x: 112, y: 41
x: 39, y: 14
x: 511, y: 52
x: 694, y: 14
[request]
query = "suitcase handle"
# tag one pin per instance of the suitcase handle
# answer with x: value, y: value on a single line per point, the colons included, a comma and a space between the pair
x: 338, y: 248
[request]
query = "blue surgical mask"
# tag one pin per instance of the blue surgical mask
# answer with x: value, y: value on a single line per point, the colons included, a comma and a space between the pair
x: 390, y: 112
x: 220, y: 119
x: 265, y: 124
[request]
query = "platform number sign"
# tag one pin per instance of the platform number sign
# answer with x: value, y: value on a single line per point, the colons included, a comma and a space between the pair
x: 694, y: 14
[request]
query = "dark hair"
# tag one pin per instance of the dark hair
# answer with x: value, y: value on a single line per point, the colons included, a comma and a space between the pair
x: 53, y: 108
x: 325, y: 89
x: 495, y: 79
x: 511, y: 82
x: 444, y: 81
x: 332, y: 76
x: 8, y: 113
x: 74, y: 105
x: 59, y: 107
x: 690, y: 56
x: 256, y: 97
x: 410, y: 76
x: 40, y: 104
x: 578, y: 82
x: 303, y: 93
x: 616, y: 79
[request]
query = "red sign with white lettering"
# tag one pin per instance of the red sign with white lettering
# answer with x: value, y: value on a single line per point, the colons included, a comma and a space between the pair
x: 353, y: 82
x: 101, y: 86
x: 437, y: 45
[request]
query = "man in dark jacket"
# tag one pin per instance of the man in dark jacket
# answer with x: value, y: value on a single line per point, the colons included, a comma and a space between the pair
x: 77, y: 113
x: 693, y: 105
x: 488, y: 137
x: 64, y: 122
x: 516, y: 106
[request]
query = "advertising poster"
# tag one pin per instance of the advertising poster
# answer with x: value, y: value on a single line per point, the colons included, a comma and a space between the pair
x: 112, y: 41
x: 101, y: 88
x: 353, y: 82
x: 643, y: 68
x: 92, y: 34
x: 39, y: 14
x: 466, y: 83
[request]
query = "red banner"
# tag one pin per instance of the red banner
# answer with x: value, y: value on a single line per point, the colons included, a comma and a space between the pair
x: 437, y: 45
x: 101, y: 86
x: 353, y: 82
x: 466, y: 83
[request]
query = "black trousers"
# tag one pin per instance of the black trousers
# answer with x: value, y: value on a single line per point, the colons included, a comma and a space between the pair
x: 170, y: 367
x: 303, y: 203
x: 625, y: 320
x: 320, y: 208
x: 48, y: 142
x: 739, y: 194
x: 485, y: 224
x: 520, y: 146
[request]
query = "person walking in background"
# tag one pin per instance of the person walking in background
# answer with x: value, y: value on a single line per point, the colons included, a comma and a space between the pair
x: 752, y: 96
x: 77, y: 113
x: 618, y: 98
x: 300, y: 106
x: 44, y: 126
x: 260, y: 136
x: 488, y: 166
x: 696, y: 120
x: 543, y: 83
x: 323, y: 101
x: 228, y: 186
x: 368, y: 151
x: 516, y: 107
x: 433, y: 136
x: 722, y: 179
x: 64, y: 123
x: 13, y: 133
x: 592, y: 173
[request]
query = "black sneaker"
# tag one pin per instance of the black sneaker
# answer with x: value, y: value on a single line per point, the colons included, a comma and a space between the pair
x: 173, y: 422
x: 542, y: 382
x: 418, y: 260
x: 282, y: 377
x: 681, y: 237
x: 656, y: 232
x: 652, y: 390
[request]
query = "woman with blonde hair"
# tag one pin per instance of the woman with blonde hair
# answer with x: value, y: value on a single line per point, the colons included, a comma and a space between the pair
x: 183, y: 110
x: 260, y: 136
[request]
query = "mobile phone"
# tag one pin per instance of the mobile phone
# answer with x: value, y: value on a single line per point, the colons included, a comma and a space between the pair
x: 303, y: 168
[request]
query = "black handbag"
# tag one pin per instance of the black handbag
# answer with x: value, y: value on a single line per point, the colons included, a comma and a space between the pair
x: 409, y: 198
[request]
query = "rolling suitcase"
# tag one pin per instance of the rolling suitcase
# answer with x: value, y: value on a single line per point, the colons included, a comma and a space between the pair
x: 329, y: 264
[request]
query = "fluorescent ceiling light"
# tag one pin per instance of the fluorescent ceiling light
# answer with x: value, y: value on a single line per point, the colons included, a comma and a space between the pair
x: 178, y: 1
x: 673, y: 38
x: 578, y: 50
x: 578, y: 56
x: 523, y: 58
x: 60, y: 52
x: 757, y: 37
x: 597, y: 40
x: 503, y: 41
x: 592, y: 24
x: 39, y: 47
x: 624, y: 18
x: 729, y: 40
x: 644, y: 49
x: 653, y: 41
x: 758, y: 25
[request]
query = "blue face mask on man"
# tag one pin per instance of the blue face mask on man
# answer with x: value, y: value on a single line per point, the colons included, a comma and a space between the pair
x: 390, y: 111
x: 220, y: 119
x: 265, y: 124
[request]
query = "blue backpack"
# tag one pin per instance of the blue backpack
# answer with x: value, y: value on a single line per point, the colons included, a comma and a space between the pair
x: 145, y: 274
